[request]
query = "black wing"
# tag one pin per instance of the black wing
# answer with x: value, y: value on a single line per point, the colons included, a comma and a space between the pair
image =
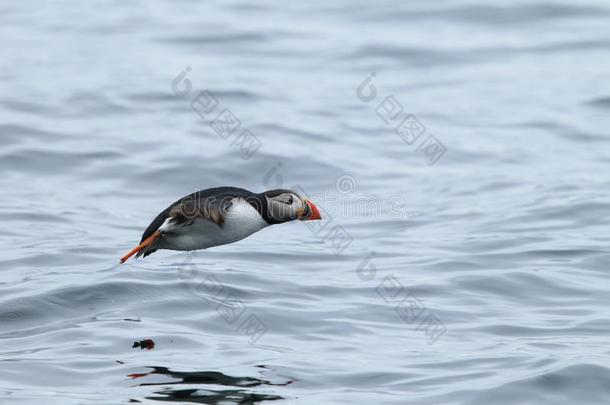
x: 210, y: 204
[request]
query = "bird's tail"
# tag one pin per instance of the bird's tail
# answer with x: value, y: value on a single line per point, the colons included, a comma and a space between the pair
x: 142, y: 247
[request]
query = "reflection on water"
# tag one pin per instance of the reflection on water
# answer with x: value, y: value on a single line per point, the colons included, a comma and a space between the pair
x: 213, y: 397
x: 206, y: 395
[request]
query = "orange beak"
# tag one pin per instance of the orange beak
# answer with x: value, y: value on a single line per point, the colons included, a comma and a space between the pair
x: 314, y: 212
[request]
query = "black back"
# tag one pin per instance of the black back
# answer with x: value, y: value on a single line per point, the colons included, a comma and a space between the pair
x: 211, y: 197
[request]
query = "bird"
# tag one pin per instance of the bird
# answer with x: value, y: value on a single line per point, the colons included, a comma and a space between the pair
x: 219, y: 216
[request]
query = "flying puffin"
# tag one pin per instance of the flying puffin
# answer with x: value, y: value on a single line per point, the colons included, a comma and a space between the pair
x: 218, y: 216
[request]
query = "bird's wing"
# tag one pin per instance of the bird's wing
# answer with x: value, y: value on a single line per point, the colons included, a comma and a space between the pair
x: 194, y: 207
x: 186, y: 210
x: 210, y: 204
x: 182, y: 213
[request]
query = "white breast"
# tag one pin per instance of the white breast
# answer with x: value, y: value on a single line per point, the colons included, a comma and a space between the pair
x: 241, y: 220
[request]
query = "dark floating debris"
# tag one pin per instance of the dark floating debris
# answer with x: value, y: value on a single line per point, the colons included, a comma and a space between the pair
x: 147, y: 344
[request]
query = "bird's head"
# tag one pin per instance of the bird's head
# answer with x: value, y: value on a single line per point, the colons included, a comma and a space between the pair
x: 286, y: 205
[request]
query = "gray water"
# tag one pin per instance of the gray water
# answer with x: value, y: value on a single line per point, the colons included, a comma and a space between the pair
x: 458, y: 149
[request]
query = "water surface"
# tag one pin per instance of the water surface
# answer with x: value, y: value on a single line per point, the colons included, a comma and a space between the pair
x: 458, y: 148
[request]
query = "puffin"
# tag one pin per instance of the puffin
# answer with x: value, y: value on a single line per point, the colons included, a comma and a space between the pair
x: 219, y: 216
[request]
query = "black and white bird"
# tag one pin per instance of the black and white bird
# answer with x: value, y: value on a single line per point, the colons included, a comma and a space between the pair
x: 218, y: 216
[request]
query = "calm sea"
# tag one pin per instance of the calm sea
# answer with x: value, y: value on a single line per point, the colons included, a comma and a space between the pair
x: 459, y: 150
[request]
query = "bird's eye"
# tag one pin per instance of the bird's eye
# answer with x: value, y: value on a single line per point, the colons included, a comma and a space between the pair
x: 290, y: 201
